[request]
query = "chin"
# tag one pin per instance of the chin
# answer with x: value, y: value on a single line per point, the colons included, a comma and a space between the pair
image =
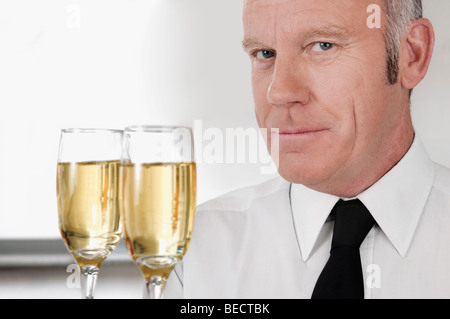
x: 306, y: 172
x: 304, y: 178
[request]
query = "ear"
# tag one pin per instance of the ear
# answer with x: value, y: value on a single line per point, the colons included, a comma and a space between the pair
x: 416, y: 52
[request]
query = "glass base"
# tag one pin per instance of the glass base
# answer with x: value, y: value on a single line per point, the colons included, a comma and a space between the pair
x: 158, y: 262
x: 91, y: 254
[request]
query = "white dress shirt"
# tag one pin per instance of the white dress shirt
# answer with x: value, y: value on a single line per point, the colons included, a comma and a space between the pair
x: 273, y: 240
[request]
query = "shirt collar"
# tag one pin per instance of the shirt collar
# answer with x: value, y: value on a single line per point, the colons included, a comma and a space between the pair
x: 396, y: 202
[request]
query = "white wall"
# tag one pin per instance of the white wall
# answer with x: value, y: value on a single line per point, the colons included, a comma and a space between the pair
x: 431, y: 106
x: 113, y: 63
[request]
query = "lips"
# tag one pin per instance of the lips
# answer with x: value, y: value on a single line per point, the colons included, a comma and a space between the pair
x: 301, y: 131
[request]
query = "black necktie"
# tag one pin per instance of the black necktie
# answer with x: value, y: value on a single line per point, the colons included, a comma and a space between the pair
x: 342, y: 277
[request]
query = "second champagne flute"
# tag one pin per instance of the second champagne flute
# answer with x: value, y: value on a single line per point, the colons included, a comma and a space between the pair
x: 158, y: 192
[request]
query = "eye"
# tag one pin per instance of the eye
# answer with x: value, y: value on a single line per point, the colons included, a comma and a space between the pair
x: 264, y: 54
x: 322, y: 46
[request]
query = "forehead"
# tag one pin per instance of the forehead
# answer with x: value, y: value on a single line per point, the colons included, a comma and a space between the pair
x: 288, y: 16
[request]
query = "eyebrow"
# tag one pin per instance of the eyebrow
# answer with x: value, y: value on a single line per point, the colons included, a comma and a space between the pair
x: 317, y: 32
x: 248, y: 43
x: 328, y: 31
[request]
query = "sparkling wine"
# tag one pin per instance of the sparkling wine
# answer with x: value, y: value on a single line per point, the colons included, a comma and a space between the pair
x: 88, y: 208
x: 158, y: 213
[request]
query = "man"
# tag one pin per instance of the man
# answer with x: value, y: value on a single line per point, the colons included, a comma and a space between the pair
x: 339, y: 93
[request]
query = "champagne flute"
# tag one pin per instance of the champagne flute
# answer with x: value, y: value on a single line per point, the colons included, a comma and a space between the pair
x: 88, y: 198
x: 158, y: 192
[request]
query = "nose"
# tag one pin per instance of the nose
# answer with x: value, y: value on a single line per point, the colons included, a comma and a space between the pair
x: 289, y: 84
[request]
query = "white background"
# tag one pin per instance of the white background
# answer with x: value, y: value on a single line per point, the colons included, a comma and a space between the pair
x: 113, y: 63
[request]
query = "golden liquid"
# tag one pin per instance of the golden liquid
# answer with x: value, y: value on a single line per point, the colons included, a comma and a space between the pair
x: 88, y: 209
x: 158, y: 214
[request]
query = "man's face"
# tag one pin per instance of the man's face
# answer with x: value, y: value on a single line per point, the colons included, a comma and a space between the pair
x: 318, y: 74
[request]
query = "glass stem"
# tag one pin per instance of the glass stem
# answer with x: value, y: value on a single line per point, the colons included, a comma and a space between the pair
x: 88, y: 281
x: 154, y: 287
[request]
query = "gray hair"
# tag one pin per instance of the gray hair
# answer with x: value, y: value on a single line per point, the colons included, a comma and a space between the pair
x: 399, y: 15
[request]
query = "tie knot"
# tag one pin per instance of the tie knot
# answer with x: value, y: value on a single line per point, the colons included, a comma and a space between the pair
x: 352, y: 224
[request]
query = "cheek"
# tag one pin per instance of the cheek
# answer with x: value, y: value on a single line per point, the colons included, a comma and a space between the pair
x: 349, y: 90
x: 362, y: 89
x: 260, y: 86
